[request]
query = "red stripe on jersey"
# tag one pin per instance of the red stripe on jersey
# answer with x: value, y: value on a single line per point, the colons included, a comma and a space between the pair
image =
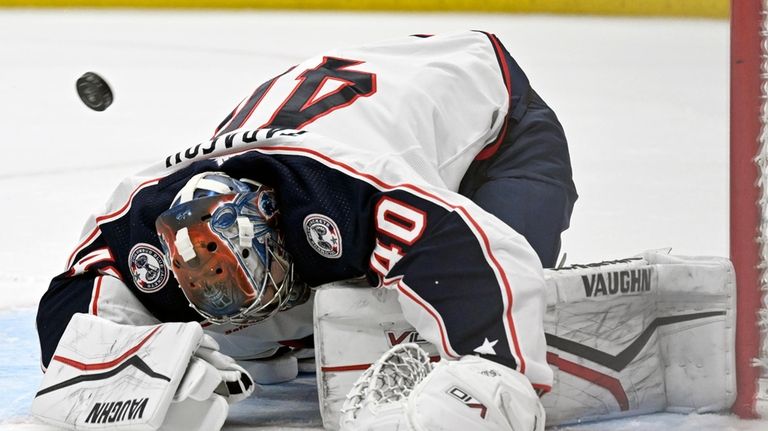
x: 507, y: 286
x: 109, y: 364
x: 507, y: 289
x: 96, y: 256
x: 359, y: 367
x: 490, y: 150
x: 302, y: 77
x: 256, y: 102
x: 407, y: 291
x: 96, y: 293
x: 108, y: 217
x: 99, y: 255
x: 82, y: 245
x: 127, y: 205
x: 111, y: 271
x: 314, y: 99
x: 227, y: 120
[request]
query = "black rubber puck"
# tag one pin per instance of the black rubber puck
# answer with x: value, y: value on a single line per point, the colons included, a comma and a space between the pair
x: 94, y: 91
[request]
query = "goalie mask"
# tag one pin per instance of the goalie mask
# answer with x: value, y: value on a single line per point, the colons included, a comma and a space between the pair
x: 224, y: 250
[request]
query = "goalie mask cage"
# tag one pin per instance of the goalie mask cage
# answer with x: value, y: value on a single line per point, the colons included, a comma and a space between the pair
x: 749, y: 200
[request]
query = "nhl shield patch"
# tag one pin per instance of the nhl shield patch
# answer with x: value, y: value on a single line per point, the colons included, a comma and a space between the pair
x: 323, y: 235
x: 148, y: 268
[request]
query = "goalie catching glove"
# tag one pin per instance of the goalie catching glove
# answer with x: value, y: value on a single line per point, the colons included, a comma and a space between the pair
x: 404, y: 391
x: 168, y: 377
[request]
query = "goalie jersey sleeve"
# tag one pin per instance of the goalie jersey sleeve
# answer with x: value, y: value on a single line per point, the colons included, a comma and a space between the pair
x: 417, y: 110
x: 467, y: 282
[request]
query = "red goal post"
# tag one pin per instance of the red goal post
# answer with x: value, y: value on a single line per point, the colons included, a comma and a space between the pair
x: 749, y: 199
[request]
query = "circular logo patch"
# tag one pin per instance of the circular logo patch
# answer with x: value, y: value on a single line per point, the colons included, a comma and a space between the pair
x: 148, y: 268
x: 323, y: 235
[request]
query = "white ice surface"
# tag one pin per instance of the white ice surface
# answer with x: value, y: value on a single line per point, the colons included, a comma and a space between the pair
x: 644, y: 103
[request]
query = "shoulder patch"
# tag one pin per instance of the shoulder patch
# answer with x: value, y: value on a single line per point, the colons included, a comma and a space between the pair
x: 323, y: 235
x: 148, y: 268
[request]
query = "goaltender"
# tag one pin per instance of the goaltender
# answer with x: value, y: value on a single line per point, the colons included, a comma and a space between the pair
x: 426, y: 164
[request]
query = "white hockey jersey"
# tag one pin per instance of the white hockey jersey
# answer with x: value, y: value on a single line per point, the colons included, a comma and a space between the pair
x: 365, y: 149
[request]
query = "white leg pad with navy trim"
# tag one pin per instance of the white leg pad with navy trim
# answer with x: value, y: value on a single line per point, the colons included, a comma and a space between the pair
x: 655, y: 332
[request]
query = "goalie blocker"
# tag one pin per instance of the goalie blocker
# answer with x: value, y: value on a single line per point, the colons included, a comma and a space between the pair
x: 646, y: 334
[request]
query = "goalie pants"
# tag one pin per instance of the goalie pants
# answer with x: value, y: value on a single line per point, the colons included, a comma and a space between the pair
x: 527, y: 182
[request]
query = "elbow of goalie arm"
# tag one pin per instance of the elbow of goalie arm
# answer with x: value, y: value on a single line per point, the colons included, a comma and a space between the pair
x: 65, y: 297
x: 90, y: 293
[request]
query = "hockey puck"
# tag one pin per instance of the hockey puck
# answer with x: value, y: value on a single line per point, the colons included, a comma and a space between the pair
x: 94, y: 91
